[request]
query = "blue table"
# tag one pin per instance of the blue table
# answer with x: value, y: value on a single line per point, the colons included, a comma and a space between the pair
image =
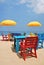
x: 16, y: 43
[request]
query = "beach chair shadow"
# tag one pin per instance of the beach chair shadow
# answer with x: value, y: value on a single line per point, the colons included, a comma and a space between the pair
x: 12, y: 48
x: 19, y: 55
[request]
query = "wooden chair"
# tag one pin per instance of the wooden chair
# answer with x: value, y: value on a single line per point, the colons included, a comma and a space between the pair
x: 28, y: 47
x: 4, y: 37
x: 9, y: 37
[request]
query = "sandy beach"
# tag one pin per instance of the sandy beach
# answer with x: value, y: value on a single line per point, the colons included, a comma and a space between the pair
x: 8, y: 57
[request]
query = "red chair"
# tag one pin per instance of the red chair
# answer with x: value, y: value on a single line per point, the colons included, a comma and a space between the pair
x: 5, y: 37
x: 28, y: 47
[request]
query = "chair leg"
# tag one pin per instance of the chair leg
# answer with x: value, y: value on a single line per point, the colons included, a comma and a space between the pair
x: 42, y: 45
x: 24, y: 56
x: 35, y: 52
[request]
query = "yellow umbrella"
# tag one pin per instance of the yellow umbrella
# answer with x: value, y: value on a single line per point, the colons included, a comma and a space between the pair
x: 34, y: 23
x: 8, y: 23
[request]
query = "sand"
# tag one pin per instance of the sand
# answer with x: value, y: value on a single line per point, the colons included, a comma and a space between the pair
x: 8, y: 57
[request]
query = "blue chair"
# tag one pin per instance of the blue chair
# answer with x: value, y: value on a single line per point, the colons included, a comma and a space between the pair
x: 40, y: 40
x: 43, y: 39
x: 42, y: 35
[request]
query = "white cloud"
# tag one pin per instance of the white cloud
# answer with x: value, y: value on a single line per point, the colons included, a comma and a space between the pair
x: 23, y: 1
x: 36, y: 5
x: 39, y: 8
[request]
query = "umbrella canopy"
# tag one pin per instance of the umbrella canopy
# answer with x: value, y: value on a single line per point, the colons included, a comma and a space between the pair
x: 34, y: 23
x: 8, y: 23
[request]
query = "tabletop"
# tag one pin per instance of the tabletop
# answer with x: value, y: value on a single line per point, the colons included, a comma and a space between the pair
x: 19, y: 37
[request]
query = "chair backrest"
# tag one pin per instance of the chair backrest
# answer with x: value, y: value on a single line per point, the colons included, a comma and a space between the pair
x: 4, y: 35
x: 31, y: 41
x: 41, y: 36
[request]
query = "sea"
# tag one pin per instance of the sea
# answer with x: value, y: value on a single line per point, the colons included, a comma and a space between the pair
x: 22, y: 32
x: 6, y: 32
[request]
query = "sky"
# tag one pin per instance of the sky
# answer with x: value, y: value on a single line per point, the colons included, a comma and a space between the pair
x: 23, y: 12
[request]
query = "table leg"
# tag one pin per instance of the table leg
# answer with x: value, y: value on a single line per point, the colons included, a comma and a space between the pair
x: 14, y: 43
x: 17, y: 45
